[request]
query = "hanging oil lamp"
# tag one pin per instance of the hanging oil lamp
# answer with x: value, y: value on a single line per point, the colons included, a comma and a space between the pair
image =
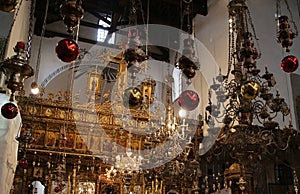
x: 72, y: 13
x: 16, y: 69
x: 188, y: 63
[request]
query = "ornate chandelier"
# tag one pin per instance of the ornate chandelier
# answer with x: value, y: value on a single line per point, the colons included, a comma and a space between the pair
x: 129, y: 162
x: 171, y: 126
x: 242, y: 101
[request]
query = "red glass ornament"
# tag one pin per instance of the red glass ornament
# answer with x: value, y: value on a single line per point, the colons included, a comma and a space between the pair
x: 57, y: 189
x: 188, y: 100
x: 9, y: 110
x: 20, y: 45
x: 67, y: 50
x: 289, y: 63
x: 23, y: 163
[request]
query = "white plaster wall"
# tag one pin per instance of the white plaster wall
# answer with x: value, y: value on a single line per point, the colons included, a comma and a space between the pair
x: 6, y: 23
x: 10, y: 128
x: 20, y: 28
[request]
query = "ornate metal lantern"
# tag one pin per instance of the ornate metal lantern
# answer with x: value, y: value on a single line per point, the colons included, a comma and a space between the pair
x: 245, y: 104
x: 72, y: 13
x: 16, y: 69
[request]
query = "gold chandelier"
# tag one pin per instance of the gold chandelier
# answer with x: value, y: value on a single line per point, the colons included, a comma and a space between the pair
x: 128, y: 162
x: 242, y: 101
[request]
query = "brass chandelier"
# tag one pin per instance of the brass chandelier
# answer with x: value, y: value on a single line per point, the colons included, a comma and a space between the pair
x: 242, y: 101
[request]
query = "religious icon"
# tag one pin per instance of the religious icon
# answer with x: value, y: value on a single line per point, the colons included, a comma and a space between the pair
x: 94, y: 82
x: 38, y: 172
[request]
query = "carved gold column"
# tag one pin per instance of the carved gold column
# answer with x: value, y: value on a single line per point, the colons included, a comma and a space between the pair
x: 69, y: 184
x: 143, y: 184
x: 122, y: 77
x: 98, y: 183
x: 74, y: 190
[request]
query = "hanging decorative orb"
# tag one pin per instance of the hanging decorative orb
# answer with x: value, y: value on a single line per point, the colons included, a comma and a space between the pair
x: 8, y: 5
x: 289, y: 64
x: 188, y: 100
x: 67, y: 50
x: 9, y: 110
x: 250, y: 90
x: 57, y: 189
x: 23, y: 163
x: 132, y: 98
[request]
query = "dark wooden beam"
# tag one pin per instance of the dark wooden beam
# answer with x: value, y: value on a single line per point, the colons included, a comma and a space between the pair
x: 93, y: 25
x: 100, y: 17
x: 81, y: 39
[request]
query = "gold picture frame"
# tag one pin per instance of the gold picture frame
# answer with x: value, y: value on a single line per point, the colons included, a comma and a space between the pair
x: 94, y: 82
x: 38, y: 172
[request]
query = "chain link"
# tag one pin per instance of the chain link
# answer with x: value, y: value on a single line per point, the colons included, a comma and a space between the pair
x: 30, y: 31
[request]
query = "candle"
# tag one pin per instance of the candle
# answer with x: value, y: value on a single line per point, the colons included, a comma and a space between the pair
x: 161, y: 182
x: 152, y: 187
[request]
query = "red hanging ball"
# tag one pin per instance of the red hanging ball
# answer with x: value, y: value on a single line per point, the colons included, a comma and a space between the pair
x: 57, y: 189
x: 289, y: 63
x: 23, y: 163
x: 188, y: 100
x: 67, y: 50
x: 20, y: 45
x: 9, y: 110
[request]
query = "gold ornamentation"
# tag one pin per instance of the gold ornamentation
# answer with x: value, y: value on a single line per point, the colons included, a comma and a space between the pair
x: 62, y: 114
x: 250, y: 90
x: 32, y: 110
x: 48, y: 112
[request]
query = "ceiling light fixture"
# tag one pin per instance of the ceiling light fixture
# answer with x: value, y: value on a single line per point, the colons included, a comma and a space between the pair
x: 285, y: 36
x: 243, y: 102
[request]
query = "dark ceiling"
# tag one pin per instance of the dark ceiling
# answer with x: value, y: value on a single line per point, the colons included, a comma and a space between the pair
x: 166, y: 12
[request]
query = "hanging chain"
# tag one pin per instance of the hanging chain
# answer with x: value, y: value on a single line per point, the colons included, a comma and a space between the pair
x: 37, y: 68
x: 30, y: 31
x: 11, y: 27
x: 254, y: 34
x: 278, y: 13
x: 186, y: 12
x: 133, y: 13
x: 278, y: 9
x: 230, y: 44
x: 292, y: 20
